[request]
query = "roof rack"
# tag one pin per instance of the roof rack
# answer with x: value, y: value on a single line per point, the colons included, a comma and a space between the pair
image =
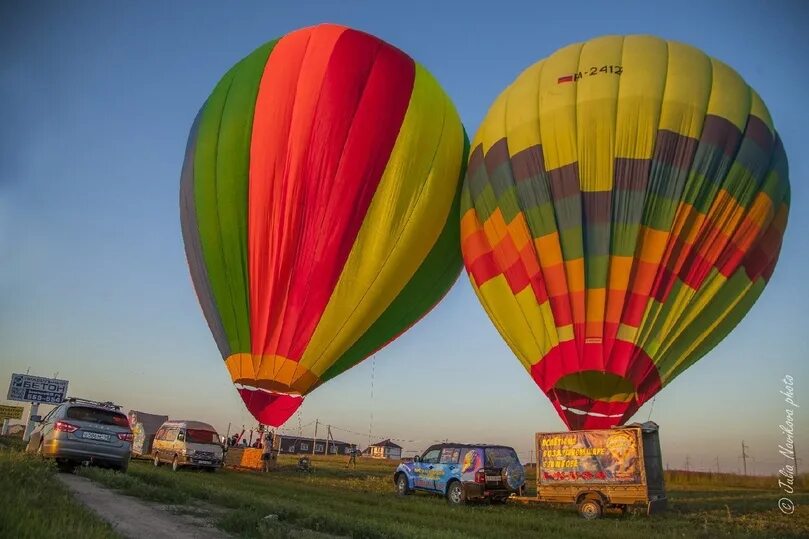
x: 105, y: 404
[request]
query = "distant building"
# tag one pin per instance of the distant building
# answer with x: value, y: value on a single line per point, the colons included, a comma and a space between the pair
x: 384, y: 450
x: 295, y: 445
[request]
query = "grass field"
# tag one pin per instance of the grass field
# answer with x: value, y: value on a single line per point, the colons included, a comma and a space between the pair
x: 34, y: 504
x: 361, y: 503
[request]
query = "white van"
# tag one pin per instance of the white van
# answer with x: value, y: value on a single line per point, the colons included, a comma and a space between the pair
x: 187, y: 443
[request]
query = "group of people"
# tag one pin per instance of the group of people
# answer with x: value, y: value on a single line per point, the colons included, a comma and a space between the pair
x: 268, y: 455
x: 261, y: 442
x: 234, y: 441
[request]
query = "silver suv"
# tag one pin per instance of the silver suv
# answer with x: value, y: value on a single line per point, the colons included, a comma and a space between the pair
x: 80, y: 430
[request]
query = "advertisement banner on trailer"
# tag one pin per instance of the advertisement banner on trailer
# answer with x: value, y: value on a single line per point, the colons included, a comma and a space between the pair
x: 608, y: 456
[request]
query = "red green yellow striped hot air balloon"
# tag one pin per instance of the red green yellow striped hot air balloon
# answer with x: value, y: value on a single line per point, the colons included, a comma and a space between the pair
x: 319, y: 198
x: 623, y: 208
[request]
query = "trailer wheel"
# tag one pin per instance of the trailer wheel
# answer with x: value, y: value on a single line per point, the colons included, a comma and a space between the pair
x: 590, y: 508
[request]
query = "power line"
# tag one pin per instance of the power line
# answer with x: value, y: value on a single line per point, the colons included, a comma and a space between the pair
x: 371, y: 408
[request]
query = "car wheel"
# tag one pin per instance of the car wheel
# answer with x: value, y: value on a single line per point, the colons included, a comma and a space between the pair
x: 455, y: 495
x: 590, y: 509
x: 402, y: 488
x: 175, y: 464
x: 156, y: 460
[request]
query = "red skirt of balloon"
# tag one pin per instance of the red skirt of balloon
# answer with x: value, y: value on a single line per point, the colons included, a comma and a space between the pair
x: 270, y: 408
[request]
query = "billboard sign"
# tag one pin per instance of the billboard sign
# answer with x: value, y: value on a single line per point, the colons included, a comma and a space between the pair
x: 10, y: 412
x: 596, y: 456
x: 27, y: 388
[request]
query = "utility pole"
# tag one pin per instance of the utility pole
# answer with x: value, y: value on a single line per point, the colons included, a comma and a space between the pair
x: 744, y: 456
x: 687, y: 463
x: 30, y: 425
x: 314, y: 438
x: 328, y: 435
x: 717, y: 464
x: 795, y: 458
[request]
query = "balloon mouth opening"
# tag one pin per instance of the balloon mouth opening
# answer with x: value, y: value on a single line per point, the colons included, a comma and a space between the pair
x: 595, y: 414
x: 588, y: 413
x: 595, y: 399
x: 269, y: 407
x: 597, y: 386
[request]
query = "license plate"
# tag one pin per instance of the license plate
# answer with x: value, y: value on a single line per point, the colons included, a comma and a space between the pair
x: 492, y: 478
x: 203, y: 462
x: 96, y: 436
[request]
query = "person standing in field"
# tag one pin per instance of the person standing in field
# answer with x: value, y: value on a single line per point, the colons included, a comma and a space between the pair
x: 266, y: 451
x: 352, y: 458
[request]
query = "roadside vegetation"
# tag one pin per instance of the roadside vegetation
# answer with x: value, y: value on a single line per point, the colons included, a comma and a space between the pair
x: 33, y: 503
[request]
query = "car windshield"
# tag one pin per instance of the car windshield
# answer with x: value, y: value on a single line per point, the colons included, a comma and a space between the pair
x: 97, y: 415
x: 200, y: 436
x: 500, y: 457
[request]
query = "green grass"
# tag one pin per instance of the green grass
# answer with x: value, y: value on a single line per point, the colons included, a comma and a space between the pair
x: 361, y: 503
x: 723, y: 480
x: 33, y: 503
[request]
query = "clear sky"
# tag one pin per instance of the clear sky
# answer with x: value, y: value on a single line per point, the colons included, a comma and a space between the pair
x: 96, y: 99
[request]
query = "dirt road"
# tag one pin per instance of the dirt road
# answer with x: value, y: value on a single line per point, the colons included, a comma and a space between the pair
x: 134, y: 518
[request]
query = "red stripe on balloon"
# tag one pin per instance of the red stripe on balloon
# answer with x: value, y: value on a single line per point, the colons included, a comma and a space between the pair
x: 365, y: 94
x: 282, y: 112
x: 483, y: 269
x: 560, y: 307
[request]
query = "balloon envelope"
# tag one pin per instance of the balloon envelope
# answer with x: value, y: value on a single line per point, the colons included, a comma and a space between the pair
x: 623, y: 208
x: 319, y: 197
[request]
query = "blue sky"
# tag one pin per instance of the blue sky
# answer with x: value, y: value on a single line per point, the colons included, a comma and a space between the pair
x: 96, y: 99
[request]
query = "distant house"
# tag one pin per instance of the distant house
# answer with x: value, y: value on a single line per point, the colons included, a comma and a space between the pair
x: 385, y: 450
x: 295, y: 445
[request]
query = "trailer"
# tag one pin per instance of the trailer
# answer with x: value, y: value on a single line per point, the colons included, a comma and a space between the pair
x: 599, y: 469
x: 144, y: 426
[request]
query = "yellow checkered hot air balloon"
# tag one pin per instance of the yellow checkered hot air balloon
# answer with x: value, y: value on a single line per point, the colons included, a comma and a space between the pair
x: 623, y: 208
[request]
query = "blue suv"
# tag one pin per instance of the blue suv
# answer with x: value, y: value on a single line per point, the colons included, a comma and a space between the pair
x: 463, y: 472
